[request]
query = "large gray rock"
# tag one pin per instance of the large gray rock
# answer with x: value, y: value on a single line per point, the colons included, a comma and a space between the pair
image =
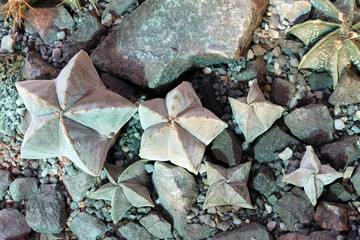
x: 294, y: 207
x: 249, y: 231
x: 177, y: 190
x: 342, y: 151
x: 77, y: 185
x: 5, y: 180
x: 312, y: 124
x: 134, y: 231
x: 87, y: 227
x: 84, y: 38
x: 23, y: 188
x: 199, y: 231
x: 347, y: 91
x: 36, y: 68
x: 13, y: 225
x: 45, y: 212
x: 163, y: 38
x: 265, y: 152
x: 156, y: 225
x: 47, y: 20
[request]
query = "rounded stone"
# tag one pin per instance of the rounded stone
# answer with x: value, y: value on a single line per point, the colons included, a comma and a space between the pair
x: 23, y: 188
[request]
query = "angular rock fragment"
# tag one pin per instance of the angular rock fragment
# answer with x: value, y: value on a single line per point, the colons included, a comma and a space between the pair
x: 294, y: 207
x: 248, y: 231
x: 348, y: 90
x: 45, y: 212
x: 177, y: 190
x: 332, y: 216
x: 161, y: 38
x: 13, y: 224
x: 86, y: 226
x: 36, y: 68
x: 311, y: 124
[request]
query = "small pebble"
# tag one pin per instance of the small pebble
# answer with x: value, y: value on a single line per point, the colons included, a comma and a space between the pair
x: 286, y: 154
x: 338, y: 124
x: 207, y: 70
x: 271, y: 225
x: 250, y: 54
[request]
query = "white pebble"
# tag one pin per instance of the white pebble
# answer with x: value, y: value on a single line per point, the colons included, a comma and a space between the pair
x: 338, y: 124
x: 250, y: 54
x: 107, y: 20
x: 283, y: 226
x: 56, y: 53
x: 206, y: 70
x: 274, y: 33
x: 286, y: 154
x: 271, y: 225
x: 337, y: 110
x: 268, y: 207
x: 293, y: 103
x: 319, y: 94
x: 8, y: 44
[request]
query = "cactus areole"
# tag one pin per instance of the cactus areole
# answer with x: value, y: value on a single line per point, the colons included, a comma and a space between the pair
x: 339, y: 45
x: 73, y: 116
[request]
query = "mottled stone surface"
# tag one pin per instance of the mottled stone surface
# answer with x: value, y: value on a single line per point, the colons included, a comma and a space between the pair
x: 177, y: 190
x: 342, y: 151
x: 36, y: 68
x: 23, y: 188
x: 5, y: 180
x: 248, y: 231
x: 294, y: 11
x: 282, y: 91
x: 347, y: 91
x: 84, y: 38
x: 134, y: 231
x: 87, y: 227
x: 156, y: 225
x: 294, y: 207
x: 265, y: 152
x: 311, y: 124
x: 163, y: 38
x: 13, y: 225
x: 47, y: 20
x: 332, y: 216
x: 78, y: 185
x: 45, y: 212
x: 226, y: 147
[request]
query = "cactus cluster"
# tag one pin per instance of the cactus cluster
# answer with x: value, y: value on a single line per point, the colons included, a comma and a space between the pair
x: 312, y: 176
x: 178, y: 128
x: 338, y: 47
x: 253, y: 114
x: 127, y: 188
x: 74, y: 116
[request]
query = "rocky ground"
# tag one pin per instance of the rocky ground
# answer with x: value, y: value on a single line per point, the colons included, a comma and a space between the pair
x: 41, y: 197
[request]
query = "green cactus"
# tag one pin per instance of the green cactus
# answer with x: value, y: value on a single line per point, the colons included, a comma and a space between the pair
x: 127, y: 188
x: 339, y: 45
x: 74, y: 116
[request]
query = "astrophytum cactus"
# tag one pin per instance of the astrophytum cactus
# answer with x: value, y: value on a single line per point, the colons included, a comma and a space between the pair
x: 228, y: 186
x: 338, y: 46
x: 312, y: 176
x: 253, y: 114
x: 178, y: 128
x: 73, y: 116
x: 127, y: 188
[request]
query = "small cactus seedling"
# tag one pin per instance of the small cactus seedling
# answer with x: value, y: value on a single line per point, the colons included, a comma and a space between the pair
x: 228, y: 186
x: 178, y: 128
x: 312, y: 176
x: 339, y: 44
x: 73, y: 116
x: 127, y: 188
x: 254, y: 115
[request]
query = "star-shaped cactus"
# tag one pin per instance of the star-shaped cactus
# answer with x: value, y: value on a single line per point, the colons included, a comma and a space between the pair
x: 312, y: 176
x: 125, y: 189
x: 338, y: 46
x: 228, y: 186
x: 73, y: 116
x: 253, y: 114
x: 178, y: 128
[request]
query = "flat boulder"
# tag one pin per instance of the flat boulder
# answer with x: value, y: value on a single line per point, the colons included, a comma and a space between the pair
x: 163, y: 38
